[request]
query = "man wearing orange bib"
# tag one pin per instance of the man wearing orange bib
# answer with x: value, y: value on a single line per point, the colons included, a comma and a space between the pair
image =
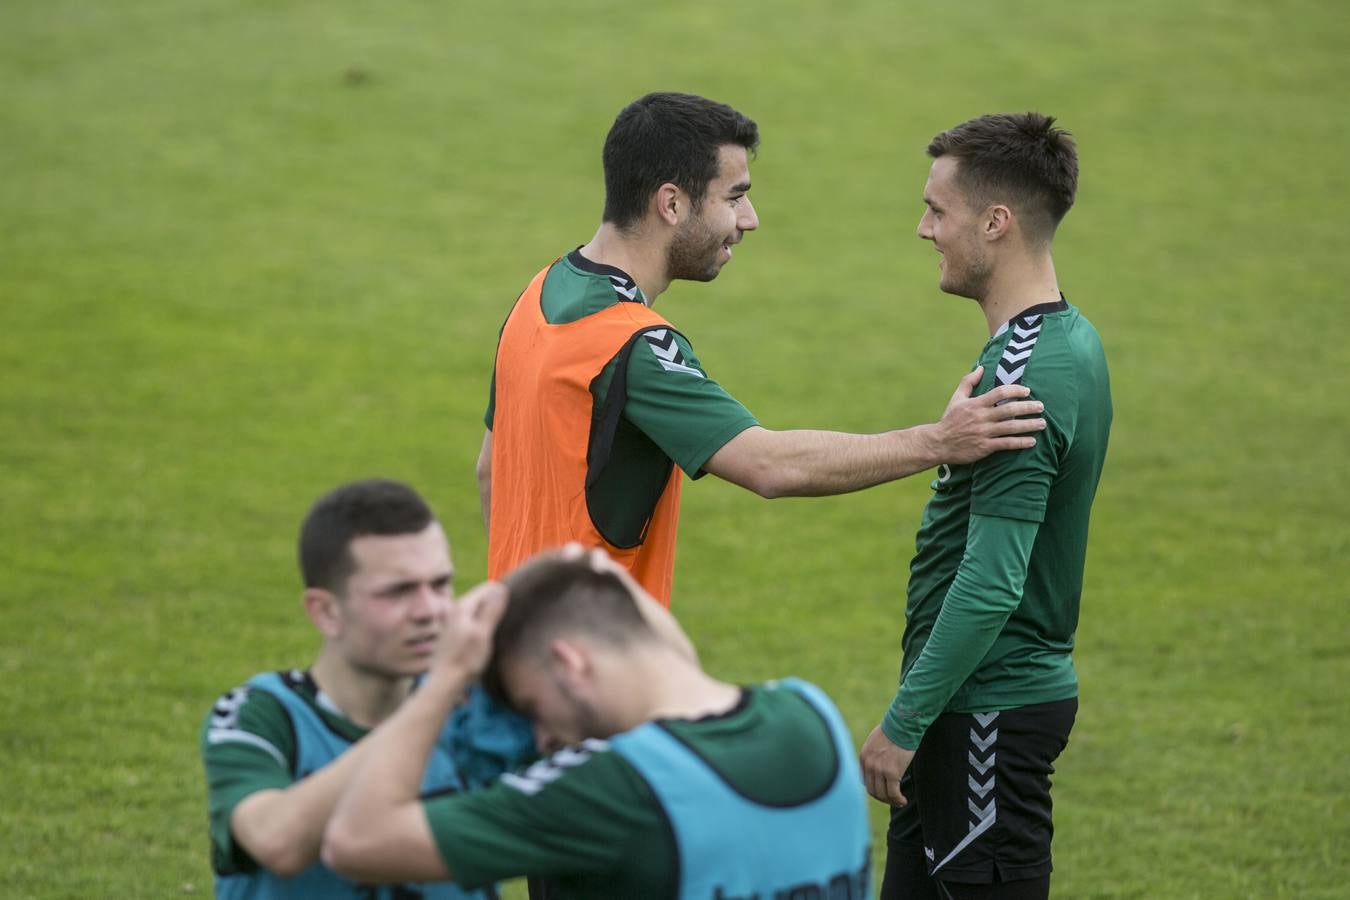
x: 597, y: 400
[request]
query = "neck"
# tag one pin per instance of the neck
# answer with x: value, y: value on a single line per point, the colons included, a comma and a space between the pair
x: 635, y: 254
x: 1019, y: 284
x: 365, y: 699
x: 675, y: 688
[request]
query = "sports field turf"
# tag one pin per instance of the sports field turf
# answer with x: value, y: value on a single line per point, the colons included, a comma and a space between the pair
x: 251, y: 248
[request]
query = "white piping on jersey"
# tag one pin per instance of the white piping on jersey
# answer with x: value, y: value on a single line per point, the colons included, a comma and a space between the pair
x: 238, y: 736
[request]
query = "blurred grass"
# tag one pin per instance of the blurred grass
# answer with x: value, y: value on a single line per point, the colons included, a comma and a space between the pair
x: 249, y: 249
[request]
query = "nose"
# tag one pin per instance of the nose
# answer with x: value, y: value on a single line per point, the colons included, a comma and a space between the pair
x: 925, y: 230
x: 747, y: 219
x: 427, y: 603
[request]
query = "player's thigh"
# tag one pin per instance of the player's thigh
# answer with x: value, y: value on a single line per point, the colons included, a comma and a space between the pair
x: 983, y: 787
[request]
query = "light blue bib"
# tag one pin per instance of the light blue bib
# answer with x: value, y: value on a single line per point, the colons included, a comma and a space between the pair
x: 733, y: 848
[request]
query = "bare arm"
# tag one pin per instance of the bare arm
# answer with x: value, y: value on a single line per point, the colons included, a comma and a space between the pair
x: 484, y: 470
x: 282, y: 829
x: 804, y: 463
x: 379, y: 831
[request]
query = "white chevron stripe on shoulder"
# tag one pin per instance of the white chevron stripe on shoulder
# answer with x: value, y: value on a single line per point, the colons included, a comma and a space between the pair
x: 676, y: 367
x: 238, y: 736
x: 546, y: 771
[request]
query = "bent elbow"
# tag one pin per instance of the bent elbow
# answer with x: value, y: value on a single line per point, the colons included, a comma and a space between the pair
x: 282, y: 859
x: 341, y: 849
x: 768, y: 486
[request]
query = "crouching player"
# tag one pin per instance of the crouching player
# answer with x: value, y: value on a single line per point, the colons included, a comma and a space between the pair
x: 663, y: 781
x: 280, y: 749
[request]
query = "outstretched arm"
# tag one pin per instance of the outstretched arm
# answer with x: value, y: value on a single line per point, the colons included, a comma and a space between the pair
x: 806, y: 463
x: 379, y: 831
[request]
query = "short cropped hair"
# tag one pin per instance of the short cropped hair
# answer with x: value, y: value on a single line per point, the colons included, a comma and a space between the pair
x: 667, y: 137
x: 551, y: 596
x: 377, y: 506
x: 1019, y: 159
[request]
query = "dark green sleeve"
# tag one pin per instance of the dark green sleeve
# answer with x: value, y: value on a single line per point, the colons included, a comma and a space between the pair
x: 1016, y: 483
x: 674, y: 402
x: 575, y: 813
x: 247, y: 744
x: 987, y: 588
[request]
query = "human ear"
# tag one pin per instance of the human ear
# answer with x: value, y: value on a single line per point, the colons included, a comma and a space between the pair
x: 669, y: 200
x: 322, y: 608
x: 570, y: 662
x: 997, y: 222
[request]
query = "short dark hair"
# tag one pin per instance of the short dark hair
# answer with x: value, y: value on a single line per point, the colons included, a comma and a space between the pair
x: 374, y: 506
x: 667, y: 137
x: 549, y: 596
x: 1016, y: 158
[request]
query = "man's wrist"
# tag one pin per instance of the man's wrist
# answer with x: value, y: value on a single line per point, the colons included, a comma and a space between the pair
x: 897, y: 733
x: 447, y: 682
x: 928, y: 445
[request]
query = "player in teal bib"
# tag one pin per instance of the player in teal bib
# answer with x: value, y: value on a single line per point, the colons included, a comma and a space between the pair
x: 278, y: 749
x: 663, y: 783
x: 819, y: 847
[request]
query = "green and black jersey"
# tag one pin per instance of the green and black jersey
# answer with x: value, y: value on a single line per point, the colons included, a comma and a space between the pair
x: 997, y: 572
x: 674, y: 410
x: 248, y: 744
x: 587, y: 819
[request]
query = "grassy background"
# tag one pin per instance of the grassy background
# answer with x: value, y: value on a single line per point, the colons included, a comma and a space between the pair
x: 251, y: 248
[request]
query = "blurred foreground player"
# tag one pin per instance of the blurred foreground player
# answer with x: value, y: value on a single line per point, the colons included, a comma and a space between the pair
x: 663, y: 783
x: 279, y: 749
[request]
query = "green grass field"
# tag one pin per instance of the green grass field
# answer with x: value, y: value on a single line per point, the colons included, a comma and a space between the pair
x: 249, y: 249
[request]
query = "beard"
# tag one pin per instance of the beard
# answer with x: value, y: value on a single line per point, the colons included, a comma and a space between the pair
x: 970, y: 280
x: 694, y: 253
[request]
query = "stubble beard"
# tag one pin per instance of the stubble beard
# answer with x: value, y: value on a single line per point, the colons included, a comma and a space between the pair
x: 972, y: 281
x: 693, y: 253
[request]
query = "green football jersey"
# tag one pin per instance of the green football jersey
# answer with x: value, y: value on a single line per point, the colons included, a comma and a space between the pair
x: 674, y: 410
x: 585, y: 817
x: 997, y: 574
x: 248, y: 744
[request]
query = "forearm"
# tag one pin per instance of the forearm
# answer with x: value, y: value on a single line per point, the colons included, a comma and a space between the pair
x: 986, y: 591
x: 809, y: 463
x: 283, y: 829
x: 376, y: 832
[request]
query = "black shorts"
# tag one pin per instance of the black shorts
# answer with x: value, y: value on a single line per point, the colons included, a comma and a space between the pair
x: 979, y: 794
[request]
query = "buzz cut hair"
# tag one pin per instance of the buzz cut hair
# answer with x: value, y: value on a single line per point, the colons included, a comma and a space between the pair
x: 1018, y: 159
x: 550, y: 596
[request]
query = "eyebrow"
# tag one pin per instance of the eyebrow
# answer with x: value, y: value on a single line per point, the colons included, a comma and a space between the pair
x: 741, y: 188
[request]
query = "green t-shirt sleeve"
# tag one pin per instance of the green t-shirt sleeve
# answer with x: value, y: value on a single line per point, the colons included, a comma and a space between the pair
x: 1016, y: 483
x: 672, y: 400
x: 987, y: 588
x: 580, y: 811
x: 247, y: 744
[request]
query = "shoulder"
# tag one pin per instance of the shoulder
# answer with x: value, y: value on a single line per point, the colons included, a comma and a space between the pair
x: 572, y: 292
x: 250, y: 716
x: 587, y: 768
